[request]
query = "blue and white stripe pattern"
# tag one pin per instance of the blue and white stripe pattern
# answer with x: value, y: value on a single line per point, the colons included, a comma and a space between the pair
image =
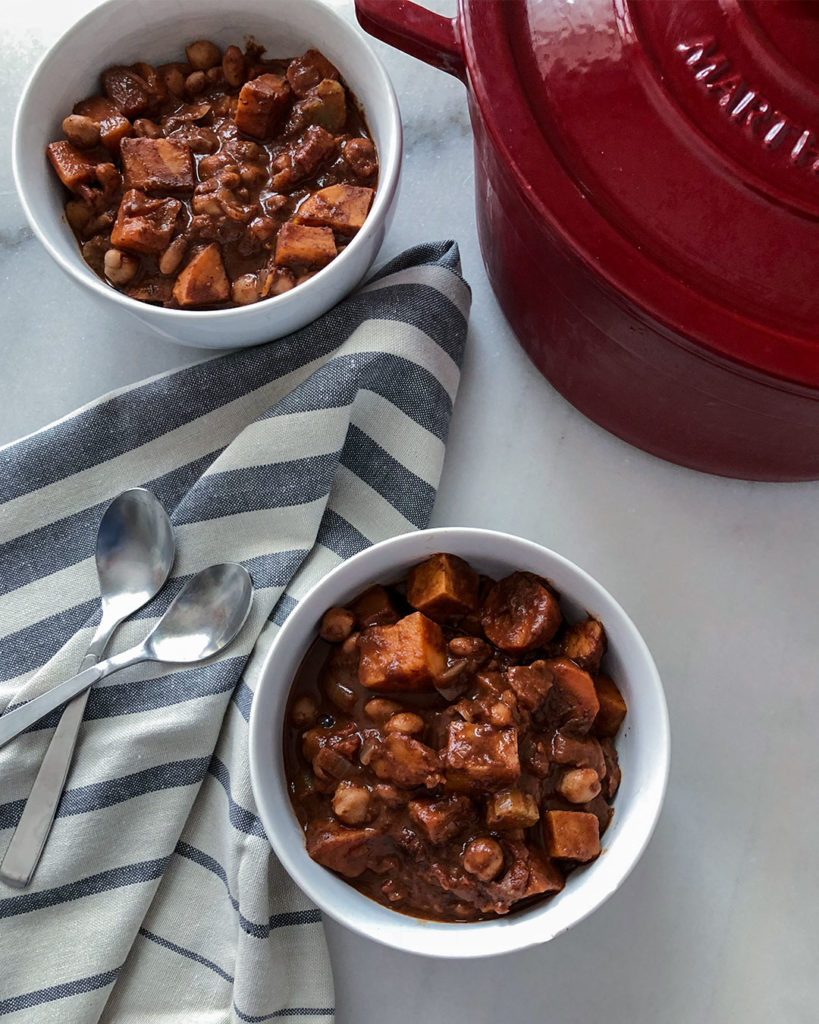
x: 158, y: 897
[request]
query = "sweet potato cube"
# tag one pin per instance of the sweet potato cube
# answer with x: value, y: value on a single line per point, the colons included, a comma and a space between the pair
x: 573, y: 835
x: 585, y: 644
x: 511, y: 808
x: 407, y: 656
x: 481, y: 756
x: 544, y: 875
x: 343, y: 208
x: 374, y: 608
x: 443, y: 586
x: 301, y: 248
x: 441, y: 820
x: 158, y: 165
x: 73, y: 167
x: 203, y: 281
x: 113, y: 126
x: 612, y: 707
x: 572, y: 698
x: 144, y: 224
x: 263, y: 103
x: 531, y: 683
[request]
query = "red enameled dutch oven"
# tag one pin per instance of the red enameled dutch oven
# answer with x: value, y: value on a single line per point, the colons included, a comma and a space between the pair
x: 647, y: 179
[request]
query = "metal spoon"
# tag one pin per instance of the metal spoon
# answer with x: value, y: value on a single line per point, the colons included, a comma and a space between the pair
x: 203, y: 619
x: 135, y: 554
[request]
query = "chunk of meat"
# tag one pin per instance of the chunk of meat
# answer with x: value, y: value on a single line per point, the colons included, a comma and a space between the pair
x: 263, y: 103
x: 74, y: 167
x: 581, y: 753
x: 349, y: 851
x: 302, y: 248
x: 203, y: 281
x: 304, y: 159
x: 572, y: 703
x: 406, y: 762
x: 305, y: 72
x: 612, y: 707
x: 158, y: 165
x: 444, y: 586
x: 544, y: 875
x: 571, y: 835
x: 127, y: 90
x: 145, y: 224
x: 585, y: 643
x: 480, y: 756
x: 374, y: 608
x: 113, y: 126
x: 361, y: 158
x: 511, y: 808
x: 408, y: 656
x: 344, y: 208
x: 520, y: 613
x: 531, y: 683
x: 441, y: 820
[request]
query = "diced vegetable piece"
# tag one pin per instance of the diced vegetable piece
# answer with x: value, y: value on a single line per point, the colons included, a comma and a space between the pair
x: 74, y: 167
x: 531, y: 683
x: 406, y: 762
x: 441, y: 820
x: 302, y: 248
x: 511, y: 808
x: 571, y: 835
x: 326, y: 105
x: 443, y: 586
x: 481, y: 756
x: 343, y: 208
x: 263, y: 103
x: 305, y: 72
x: 113, y: 126
x: 520, y: 613
x: 158, y: 165
x: 145, y: 224
x: 407, y: 656
x: 349, y: 851
x: 203, y: 281
x: 544, y: 876
x: 612, y: 707
x: 127, y: 90
x: 572, y: 698
x: 585, y: 644
x: 374, y: 608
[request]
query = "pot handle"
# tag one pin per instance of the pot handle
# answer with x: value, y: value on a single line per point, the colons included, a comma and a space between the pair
x: 415, y: 30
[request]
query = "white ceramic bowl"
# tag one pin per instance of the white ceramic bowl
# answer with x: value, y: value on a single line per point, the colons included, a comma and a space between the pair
x: 643, y: 747
x: 125, y: 31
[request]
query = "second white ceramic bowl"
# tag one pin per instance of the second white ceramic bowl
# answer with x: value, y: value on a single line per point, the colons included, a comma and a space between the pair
x: 126, y: 31
x: 643, y: 746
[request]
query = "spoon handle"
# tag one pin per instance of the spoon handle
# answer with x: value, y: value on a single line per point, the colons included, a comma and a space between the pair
x: 15, y: 722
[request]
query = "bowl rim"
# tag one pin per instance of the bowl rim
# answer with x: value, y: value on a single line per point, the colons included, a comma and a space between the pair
x: 409, y: 934
x: 388, y: 176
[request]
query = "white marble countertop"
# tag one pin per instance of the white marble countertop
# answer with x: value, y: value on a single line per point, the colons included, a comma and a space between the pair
x: 717, y: 922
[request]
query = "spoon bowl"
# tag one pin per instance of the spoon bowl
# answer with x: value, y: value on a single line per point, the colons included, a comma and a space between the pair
x: 204, y: 617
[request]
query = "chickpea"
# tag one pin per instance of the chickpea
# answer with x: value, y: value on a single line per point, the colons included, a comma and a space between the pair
x: 174, y: 79
x: 483, y: 858
x: 203, y: 54
x: 379, y: 709
x: 342, y: 696
x: 580, y: 785
x: 81, y: 131
x: 469, y: 647
x: 336, y: 625
x: 78, y: 214
x: 351, y: 803
x: 406, y: 722
x: 215, y: 75
x: 147, y: 129
x: 245, y: 289
x: 120, y: 268
x: 304, y: 711
x: 350, y: 645
x: 203, y: 140
x: 211, y: 165
x: 195, y: 83
x: 170, y: 259
x: 233, y: 66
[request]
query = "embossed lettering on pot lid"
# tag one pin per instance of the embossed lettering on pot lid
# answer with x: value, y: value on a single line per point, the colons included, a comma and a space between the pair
x: 675, y: 146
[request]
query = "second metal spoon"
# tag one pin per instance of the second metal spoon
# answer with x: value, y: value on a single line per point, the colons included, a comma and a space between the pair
x: 203, y: 618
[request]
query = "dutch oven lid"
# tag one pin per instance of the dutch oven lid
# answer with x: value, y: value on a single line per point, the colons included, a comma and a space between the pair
x: 675, y: 147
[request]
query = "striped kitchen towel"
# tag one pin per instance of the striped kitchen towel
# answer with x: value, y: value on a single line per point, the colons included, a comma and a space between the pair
x: 158, y: 897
